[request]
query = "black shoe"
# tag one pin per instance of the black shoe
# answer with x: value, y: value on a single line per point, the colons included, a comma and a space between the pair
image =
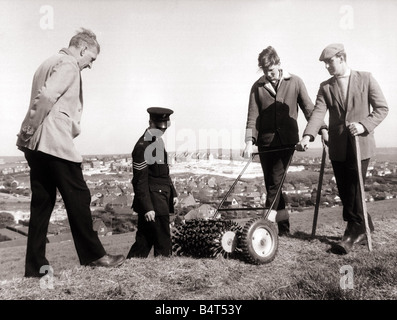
x: 285, y: 234
x: 108, y: 261
x: 353, y: 234
x: 34, y: 275
x: 361, y: 239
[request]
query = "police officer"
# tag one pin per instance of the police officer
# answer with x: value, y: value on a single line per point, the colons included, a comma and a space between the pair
x: 155, y: 194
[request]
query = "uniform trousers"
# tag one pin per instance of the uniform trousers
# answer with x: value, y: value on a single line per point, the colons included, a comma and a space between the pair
x: 150, y: 234
x: 47, y: 174
x: 346, y: 175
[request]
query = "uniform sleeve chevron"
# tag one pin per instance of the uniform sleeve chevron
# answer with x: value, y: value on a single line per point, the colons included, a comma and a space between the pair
x: 140, y: 165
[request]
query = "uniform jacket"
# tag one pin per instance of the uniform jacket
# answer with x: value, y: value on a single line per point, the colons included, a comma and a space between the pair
x: 56, y: 105
x: 271, y: 112
x: 151, y: 181
x: 363, y: 92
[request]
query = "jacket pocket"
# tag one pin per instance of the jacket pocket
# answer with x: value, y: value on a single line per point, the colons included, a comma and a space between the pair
x: 68, y: 124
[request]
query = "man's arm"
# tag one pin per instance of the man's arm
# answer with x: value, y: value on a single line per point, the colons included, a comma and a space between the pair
x: 307, y: 106
x: 250, y: 132
x: 379, y: 106
x: 315, y: 123
x: 61, y: 77
x: 140, y: 180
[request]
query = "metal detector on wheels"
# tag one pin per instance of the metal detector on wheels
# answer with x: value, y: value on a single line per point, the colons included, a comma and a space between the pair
x: 258, y: 240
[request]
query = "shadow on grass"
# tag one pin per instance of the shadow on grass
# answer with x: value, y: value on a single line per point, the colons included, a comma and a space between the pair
x: 331, y: 240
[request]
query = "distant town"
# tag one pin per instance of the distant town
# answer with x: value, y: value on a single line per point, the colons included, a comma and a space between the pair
x: 202, y: 180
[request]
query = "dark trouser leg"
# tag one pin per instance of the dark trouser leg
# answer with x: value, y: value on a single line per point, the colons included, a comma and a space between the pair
x: 41, y: 206
x: 152, y: 234
x: 76, y: 196
x: 274, y: 165
x: 162, y: 241
x: 346, y: 175
x: 143, y: 239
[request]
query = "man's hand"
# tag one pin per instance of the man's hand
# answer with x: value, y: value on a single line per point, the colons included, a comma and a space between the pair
x: 324, y: 136
x: 149, y: 216
x: 356, y: 128
x: 248, y: 149
x: 303, y: 145
x: 176, y: 201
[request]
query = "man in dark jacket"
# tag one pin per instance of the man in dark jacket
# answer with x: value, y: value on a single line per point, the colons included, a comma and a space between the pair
x: 155, y: 194
x: 272, y: 126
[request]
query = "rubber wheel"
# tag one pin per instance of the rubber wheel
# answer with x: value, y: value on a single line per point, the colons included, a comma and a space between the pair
x: 259, y: 241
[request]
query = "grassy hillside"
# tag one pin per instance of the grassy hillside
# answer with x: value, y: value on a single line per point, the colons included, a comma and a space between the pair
x: 303, y: 269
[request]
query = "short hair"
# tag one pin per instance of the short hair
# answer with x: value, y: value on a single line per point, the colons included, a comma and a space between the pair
x: 84, y: 37
x: 268, y: 57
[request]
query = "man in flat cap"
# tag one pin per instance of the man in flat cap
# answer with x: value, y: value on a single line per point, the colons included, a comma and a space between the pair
x: 155, y: 194
x: 348, y: 96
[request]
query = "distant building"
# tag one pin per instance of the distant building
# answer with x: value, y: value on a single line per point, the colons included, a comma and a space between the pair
x: 187, y: 201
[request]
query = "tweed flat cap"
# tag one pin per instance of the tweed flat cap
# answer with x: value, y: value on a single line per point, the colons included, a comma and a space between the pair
x: 331, y: 50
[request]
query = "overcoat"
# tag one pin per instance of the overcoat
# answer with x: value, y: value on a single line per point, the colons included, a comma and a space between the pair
x: 363, y: 93
x: 56, y: 105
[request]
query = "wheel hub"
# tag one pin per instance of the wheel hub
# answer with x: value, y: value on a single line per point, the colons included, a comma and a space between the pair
x: 262, y: 242
x: 229, y: 241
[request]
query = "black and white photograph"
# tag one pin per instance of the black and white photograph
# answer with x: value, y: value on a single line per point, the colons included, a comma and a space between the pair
x: 198, y: 158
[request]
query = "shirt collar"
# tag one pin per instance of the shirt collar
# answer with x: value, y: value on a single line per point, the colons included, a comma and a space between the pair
x: 66, y: 51
x: 285, y: 75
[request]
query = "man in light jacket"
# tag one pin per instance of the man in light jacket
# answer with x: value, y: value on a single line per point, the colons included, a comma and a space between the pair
x: 348, y: 96
x: 46, y: 138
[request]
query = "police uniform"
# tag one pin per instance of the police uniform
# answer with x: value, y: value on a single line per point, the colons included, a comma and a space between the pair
x: 153, y: 188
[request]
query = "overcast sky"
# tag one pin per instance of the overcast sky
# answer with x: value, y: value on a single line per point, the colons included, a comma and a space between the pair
x: 198, y: 58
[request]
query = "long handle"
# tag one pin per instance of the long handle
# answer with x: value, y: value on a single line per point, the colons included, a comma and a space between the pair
x: 319, y: 187
x: 241, y: 173
x: 361, y: 182
x: 235, y: 182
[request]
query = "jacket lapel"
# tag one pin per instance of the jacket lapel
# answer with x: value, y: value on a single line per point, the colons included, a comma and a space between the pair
x: 353, y: 88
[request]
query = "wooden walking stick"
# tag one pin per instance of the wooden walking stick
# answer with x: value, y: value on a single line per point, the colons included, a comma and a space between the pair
x: 319, y: 186
x: 361, y: 182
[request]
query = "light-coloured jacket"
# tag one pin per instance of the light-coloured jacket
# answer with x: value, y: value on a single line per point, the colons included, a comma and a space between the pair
x: 363, y: 92
x: 56, y: 105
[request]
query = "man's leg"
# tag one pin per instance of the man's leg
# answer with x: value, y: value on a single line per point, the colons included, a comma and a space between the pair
x: 162, y: 241
x: 41, y: 206
x: 346, y: 175
x: 143, y: 239
x: 274, y: 165
x: 76, y: 196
